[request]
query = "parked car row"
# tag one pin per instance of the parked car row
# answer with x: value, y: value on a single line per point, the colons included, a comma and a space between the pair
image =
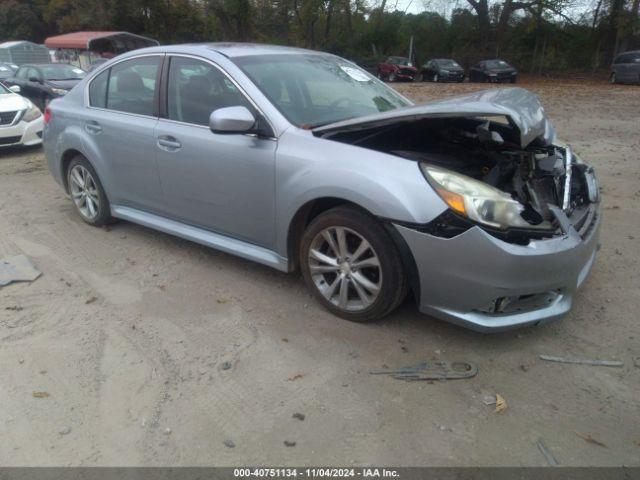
x: 41, y: 83
x: 446, y: 70
x: 21, y: 121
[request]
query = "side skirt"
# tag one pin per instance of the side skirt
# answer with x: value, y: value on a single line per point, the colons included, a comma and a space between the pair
x: 203, y: 237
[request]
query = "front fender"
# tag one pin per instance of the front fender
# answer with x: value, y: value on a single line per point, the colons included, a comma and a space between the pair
x: 310, y: 168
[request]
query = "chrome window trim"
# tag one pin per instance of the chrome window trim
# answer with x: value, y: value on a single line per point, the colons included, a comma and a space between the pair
x: 228, y: 76
x: 87, y: 103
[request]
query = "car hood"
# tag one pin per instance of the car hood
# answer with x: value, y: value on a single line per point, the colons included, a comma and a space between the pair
x: 521, y: 107
x: 11, y: 102
x: 64, y: 84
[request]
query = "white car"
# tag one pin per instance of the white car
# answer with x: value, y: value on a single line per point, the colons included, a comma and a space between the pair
x: 21, y: 122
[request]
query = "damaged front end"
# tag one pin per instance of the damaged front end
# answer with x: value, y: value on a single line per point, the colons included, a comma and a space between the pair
x: 494, y: 160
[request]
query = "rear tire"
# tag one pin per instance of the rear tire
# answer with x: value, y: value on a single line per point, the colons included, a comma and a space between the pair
x: 352, y: 265
x: 87, y: 193
x: 613, y: 79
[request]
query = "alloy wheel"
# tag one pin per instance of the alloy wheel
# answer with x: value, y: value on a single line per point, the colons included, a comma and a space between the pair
x: 84, y: 192
x: 345, y: 268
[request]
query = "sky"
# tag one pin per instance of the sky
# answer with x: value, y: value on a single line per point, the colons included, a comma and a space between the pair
x: 444, y: 7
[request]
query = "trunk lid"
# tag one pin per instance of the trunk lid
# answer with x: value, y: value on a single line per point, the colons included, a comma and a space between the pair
x: 521, y: 107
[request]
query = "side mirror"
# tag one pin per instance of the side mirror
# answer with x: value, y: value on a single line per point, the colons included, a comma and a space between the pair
x: 34, y: 80
x: 15, y: 88
x: 231, y: 120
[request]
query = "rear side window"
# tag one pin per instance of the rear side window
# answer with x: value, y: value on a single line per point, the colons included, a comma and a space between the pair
x: 196, y: 88
x: 131, y: 86
x: 98, y: 90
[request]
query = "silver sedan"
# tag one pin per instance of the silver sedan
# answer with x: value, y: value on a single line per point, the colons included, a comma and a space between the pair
x: 301, y: 160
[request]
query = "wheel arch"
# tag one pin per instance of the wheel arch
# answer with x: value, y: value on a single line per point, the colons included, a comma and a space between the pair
x: 313, y: 208
x: 65, y: 159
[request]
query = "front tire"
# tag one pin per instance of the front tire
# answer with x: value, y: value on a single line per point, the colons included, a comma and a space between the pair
x: 87, y: 193
x: 436, y: 78
x: 392, y: 77
x: 613, y: 79
x: 352, y: 266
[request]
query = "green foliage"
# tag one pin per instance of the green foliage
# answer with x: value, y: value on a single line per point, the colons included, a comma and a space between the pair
x: 535, y: 35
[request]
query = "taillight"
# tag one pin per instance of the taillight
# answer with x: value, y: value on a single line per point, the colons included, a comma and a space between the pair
x: 47, y: 115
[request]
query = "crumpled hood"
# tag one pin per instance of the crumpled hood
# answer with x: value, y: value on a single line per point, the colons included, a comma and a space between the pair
x: 520, y: 106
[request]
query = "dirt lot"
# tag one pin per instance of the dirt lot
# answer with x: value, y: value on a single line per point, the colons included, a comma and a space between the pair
x: 128, y: 331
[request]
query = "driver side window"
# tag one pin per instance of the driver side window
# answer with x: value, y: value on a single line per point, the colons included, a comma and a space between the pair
x: 197, y: 88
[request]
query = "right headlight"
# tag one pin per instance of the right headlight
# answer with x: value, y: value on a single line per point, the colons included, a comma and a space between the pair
x: 31, y: 114
x: 474, y: 199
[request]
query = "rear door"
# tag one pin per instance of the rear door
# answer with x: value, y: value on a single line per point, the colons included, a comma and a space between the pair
x: 220, y: 182
x: 119, y: 127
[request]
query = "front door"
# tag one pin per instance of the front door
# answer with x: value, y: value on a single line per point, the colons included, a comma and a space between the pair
x: 220, y: 182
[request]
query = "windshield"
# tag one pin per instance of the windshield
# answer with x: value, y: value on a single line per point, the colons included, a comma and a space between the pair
x: 448, y: 63
x: 62, y: 72
x: 312, y: 90
x: 497, y: 64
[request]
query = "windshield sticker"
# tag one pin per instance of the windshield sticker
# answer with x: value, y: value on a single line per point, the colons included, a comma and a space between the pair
x: 354, y: 73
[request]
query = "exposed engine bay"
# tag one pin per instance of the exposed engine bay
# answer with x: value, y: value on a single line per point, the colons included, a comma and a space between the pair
x: 488, y: 149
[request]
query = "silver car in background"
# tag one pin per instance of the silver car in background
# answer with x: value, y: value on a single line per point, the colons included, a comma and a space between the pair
x: 300, y: 160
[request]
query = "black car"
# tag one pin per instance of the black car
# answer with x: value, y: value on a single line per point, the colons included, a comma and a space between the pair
x: 493, y: 71
x: 42, y: 83
x: 442, y: 70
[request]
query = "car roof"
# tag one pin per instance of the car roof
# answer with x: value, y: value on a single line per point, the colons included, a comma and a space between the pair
x: 228, y: 49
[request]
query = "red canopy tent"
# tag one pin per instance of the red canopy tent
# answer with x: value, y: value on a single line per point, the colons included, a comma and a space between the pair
x: 82, y: 48
x: 122, y: 41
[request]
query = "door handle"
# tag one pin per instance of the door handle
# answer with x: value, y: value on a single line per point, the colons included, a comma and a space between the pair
x: 93, y: 127
x: 169, y: 143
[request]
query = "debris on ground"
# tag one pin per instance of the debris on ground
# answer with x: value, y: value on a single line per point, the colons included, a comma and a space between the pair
x: 295, y: 377
x: 583, y: 361
x: 14, y: 308
x: 299, y: 416
x: 289, y: 443
x: 90, y: 300
x: 636, y: 362
x: 225, y: 365
x: 229, y: 443
x: 66, y: 430
x: 167, y: 431
x: 17, y: 269
x: 41, y: 394
x: 489, y: 399
x: 222, y: 300
x: 589, y: 439
x: 440, y: 370
x: 501, y: 404
x: 547, y: 454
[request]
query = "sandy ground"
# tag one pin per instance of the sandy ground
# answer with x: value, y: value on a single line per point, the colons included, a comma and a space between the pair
x: 128, y: 332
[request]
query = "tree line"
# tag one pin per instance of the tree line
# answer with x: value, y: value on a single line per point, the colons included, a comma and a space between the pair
x: 535, y: 35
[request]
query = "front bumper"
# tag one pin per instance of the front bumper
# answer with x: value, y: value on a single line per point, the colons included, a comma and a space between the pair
x: 461, y: 276
x: 22, y: 133
x: 453, y: 77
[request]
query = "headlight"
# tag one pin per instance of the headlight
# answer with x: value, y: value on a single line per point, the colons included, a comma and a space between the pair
x: 59, y: 91
x: 32, y: 113
x: 474, y: 199
x: 446, y: 72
